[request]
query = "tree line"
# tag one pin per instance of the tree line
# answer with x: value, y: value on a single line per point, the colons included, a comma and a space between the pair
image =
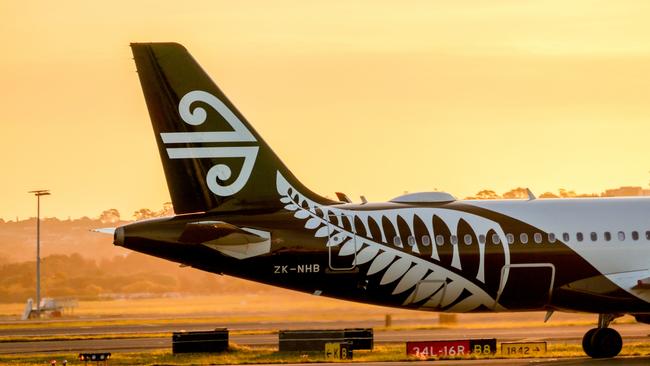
x: 74, y: 275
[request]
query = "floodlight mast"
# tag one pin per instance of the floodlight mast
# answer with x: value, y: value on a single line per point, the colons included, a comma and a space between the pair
x: 38, y: 194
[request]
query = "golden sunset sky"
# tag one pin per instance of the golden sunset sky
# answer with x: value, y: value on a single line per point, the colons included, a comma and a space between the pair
x: 372, y: 97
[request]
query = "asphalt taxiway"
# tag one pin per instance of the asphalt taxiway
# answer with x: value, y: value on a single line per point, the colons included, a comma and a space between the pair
x: 552, y: 334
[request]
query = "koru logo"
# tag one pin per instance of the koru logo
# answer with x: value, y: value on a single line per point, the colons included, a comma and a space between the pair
x: 219, y: 173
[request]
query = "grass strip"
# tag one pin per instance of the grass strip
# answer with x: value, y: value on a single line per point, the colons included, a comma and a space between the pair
x: 11, y: 339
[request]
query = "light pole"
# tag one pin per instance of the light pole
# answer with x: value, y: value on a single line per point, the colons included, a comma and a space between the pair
x: 38, y: 194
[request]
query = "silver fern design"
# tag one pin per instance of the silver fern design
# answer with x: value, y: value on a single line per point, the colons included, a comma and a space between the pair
x: 431, y: 285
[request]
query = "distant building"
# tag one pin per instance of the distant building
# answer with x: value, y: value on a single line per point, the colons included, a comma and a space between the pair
x: 627, y: 191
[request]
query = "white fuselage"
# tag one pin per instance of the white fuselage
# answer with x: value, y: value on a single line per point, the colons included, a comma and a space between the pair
x: 624, y: 258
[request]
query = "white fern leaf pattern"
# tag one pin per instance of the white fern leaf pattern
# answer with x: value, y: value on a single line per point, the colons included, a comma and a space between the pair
x: 366, y: 255
x: 411, y: 278
x: 381, y: 262
x: 312, y: 223
x: 396, y: 270
x: 322, y: 232
x: 301, y: 214
x: 349, y: 248
x: 432, y: 284
x: 367, y: 236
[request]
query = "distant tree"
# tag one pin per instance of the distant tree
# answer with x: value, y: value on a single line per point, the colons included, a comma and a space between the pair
x: 167, y: 210
x: 109, y: 216
x: 144, y: 213
x: 487, y: 194
x: 518, y: 192
x: 566, y: 193
x: 548, y: 195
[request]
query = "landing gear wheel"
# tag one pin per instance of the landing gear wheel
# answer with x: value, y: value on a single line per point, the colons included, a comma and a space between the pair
x: 607, y: 342
x: 602, y: 343
x: 586, y: 343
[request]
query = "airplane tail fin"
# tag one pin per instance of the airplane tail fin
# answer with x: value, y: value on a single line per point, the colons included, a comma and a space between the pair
x: 211, y: 155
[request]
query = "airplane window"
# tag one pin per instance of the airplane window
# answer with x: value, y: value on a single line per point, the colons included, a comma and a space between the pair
x: 647, y: 235
x: 411, y: 240
x: 397, y: 241
x: 579, y: 236
x: 524, y: 238
x: 635, y: 235
x: 440, y: 240
x: 594, y: 236
x: 621, y: 236
x: 467, y: 239
x: 551, y: 238
x: 454, y: 240
x: 538, y: 238
x: 511, y: 238
x: 481, y: 239
x: 565, y: 237
x: 607, y: 235
x: 426, y: 240
x: 496, y: 239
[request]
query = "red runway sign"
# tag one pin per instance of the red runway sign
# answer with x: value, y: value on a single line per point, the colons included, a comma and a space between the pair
x: 452, y: 348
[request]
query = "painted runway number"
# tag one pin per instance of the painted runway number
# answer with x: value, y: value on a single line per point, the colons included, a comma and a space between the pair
x: 451, y: 348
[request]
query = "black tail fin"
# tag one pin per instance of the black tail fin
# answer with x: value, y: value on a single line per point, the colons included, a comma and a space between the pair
x: 212, y: 156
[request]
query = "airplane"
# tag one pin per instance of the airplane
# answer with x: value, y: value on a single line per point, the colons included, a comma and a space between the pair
x: 240, y: 211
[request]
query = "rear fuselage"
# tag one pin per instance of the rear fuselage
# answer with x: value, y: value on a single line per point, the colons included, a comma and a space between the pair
x: 459, y: 256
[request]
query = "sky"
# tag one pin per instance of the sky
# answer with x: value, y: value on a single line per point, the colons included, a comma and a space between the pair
x: 370, y: 98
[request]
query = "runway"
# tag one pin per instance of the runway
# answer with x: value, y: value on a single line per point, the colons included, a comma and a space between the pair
x: 552, y: 334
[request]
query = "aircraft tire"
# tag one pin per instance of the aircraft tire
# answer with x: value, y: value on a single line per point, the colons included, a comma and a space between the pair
x: 602, y: 343
x: 586, y: 343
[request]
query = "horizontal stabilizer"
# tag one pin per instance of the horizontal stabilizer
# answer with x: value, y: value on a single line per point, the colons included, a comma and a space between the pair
x: 213, y: 231
x: 106, y: 230
x: 228, y: 239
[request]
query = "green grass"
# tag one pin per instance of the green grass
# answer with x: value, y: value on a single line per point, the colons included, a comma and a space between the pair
x: 247, y: 355
x: 118, y: 322
x: 7, y: 339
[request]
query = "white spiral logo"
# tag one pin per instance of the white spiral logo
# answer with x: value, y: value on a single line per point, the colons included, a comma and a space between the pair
x: 219, y: 173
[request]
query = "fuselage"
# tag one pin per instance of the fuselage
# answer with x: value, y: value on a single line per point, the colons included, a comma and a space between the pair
x: 458, y: 256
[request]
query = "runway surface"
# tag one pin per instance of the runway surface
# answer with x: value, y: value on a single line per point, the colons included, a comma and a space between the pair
x: 557, y: 334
